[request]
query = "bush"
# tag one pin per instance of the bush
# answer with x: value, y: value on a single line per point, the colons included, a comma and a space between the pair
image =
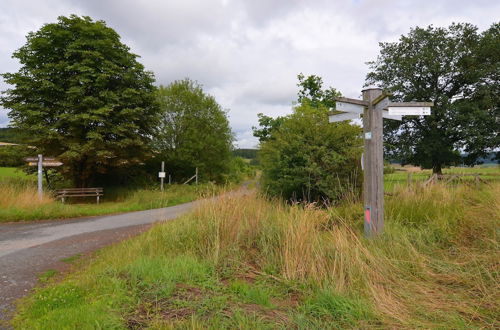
x: 309, y: 159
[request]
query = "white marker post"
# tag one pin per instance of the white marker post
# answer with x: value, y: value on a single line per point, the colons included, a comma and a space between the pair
x: 375, y: 106
x: 40, y: 172
x: 161, y: 175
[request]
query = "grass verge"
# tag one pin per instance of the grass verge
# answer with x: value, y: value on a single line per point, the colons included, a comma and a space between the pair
x: 19, y: 201
x: 245, y: 262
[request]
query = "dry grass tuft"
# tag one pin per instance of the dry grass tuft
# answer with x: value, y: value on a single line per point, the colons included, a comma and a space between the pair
x: 21, y: 196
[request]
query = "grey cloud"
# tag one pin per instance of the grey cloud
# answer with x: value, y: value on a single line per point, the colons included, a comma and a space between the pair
x: 248, y: 53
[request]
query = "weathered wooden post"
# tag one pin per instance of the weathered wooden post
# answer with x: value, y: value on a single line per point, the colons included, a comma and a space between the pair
x: 374, y: 107
x: 373, y: 184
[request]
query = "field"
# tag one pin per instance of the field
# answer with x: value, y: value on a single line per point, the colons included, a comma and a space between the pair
x: 402, y: 175
x: 13, y: 172
x: 249, y: 263
x: 19, y: 200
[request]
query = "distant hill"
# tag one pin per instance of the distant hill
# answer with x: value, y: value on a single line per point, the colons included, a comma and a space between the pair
x: 246, y: 153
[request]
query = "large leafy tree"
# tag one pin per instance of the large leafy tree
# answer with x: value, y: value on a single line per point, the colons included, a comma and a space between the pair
x: 194, y: 132
x: 456, y: 68
x: 83, y: 97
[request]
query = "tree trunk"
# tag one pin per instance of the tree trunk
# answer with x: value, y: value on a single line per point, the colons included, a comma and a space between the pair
x: 45, y: 172
x: 437, y: 169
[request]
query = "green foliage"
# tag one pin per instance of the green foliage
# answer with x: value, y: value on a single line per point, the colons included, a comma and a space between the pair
x: 12, y: 135
x: 310, y: 159
x: 457, y: 69
x: 245, y: 153
x: 239, y: 169
x: 12, y: 156
x: 194, y: 132
x: 267, y: 125
x: 340, y: 310
x: 312, y: 92
x: 82, y: 96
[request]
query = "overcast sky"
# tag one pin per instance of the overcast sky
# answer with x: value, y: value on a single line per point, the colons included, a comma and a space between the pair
x: 247, y: 53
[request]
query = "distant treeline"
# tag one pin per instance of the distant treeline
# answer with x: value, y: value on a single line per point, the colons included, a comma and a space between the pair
x: 490, y: 158
x: 11, y: 135
x: 246, y: 153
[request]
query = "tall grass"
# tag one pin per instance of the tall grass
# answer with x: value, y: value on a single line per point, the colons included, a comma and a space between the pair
x: 436, y: 266
x: 15, y: 193
x: 19, y: 201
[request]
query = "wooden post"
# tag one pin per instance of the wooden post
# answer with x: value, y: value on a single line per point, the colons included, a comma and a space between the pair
x: 40, y: 172
x: 375, y: 106
x: 373, y: 185
x: 197, y: 175
x: 161, y: 179
x: 169, y: 179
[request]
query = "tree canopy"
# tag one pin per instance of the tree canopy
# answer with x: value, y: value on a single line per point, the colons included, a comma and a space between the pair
x: 457, y: 68
x: 194, y: 132
x: 311, y: 93
x: 310, y: 159
x: 303, y: 156
x: 83, y: 97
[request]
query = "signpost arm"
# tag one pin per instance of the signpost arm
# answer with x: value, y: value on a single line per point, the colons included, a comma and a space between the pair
x: 40, y: 170
x: 373, y: 185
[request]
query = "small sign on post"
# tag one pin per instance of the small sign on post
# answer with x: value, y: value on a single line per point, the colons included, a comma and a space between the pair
x: 161, y: 175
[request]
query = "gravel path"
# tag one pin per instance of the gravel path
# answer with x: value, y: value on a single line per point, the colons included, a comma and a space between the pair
x: 28, y: 249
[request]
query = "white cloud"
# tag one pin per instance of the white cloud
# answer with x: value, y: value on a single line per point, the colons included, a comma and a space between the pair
x: 248, y: 53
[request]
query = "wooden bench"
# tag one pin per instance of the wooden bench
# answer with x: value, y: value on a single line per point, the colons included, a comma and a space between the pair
x: 79, y: 192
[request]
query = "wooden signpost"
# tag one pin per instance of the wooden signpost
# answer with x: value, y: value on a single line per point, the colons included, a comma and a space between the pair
x: 40, y: 162
x: 374, y: 107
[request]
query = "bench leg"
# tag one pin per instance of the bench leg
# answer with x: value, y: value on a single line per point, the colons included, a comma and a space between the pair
x: 62, y: 200
x: 97, y: 199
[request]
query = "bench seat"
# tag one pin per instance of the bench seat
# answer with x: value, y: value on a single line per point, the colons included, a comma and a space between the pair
x: 79, y: 192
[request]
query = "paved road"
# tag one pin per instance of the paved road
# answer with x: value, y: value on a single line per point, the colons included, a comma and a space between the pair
x: 28, y: 249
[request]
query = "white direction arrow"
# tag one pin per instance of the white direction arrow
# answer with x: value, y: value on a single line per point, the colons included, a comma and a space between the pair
x: 342, y: 117
x: 382, y: 105
x: 349, y: 107
x: 410, y: 111
x: 386, y: 115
